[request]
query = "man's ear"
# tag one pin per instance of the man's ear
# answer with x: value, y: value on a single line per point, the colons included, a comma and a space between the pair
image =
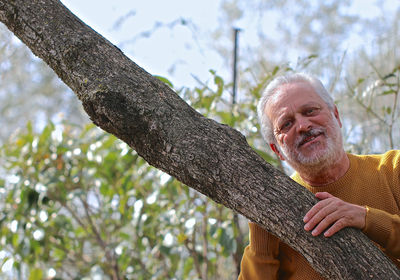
x: 276, y: 151
x: 336, y: 114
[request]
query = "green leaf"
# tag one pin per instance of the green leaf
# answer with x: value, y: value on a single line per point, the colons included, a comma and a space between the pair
x: 207, y: 101
x: 220, y: 83
x: 58, y: 254
x: 122, y: 204
x: 125, y: 236
x: 387, y: 92
x: 267, y: 157
x: 104, y: 190
x: 46, y: 133
x: 29, y: 127
x: 360, y: 81
x: 182, y: 238
x: 226, y: 117
x: 32, y: 197
x: 108, y: 142
x: 165, y: 250
x: 388, y: 76
x: 164, y: 80
x: 213, y: 229
x: 36, y: 274
x: 15, y: 240
x: 276, y: 69
x: 187, y: 267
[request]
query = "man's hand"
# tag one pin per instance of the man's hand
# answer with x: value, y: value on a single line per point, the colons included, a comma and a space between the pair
x: 334, y: 213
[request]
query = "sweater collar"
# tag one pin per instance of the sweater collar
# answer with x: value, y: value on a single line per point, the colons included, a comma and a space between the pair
x: 332, y: 187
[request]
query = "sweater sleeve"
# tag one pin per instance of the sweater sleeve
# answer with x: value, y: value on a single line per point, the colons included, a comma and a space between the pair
x: 260, y: 258
x: 384, y: 229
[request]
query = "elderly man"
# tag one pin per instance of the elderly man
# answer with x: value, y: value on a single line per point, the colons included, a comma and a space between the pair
x: 301, y: 124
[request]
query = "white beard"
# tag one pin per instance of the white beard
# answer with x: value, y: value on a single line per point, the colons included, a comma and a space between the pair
x: 319, y: 159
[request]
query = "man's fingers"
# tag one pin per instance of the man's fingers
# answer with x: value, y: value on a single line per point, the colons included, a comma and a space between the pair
x: 321, y: 211
x: 335, y: 215
x: 333, y: 221
x: 323, y: 195
x: 335, y: 228
x: 317, y: 207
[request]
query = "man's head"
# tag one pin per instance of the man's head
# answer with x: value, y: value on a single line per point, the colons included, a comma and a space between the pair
x: 300, y: 121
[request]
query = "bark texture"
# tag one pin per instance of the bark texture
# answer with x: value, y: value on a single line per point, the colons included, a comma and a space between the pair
x: 123, y: 99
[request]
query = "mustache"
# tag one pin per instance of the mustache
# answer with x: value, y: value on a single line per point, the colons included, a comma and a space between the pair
x: 305, y: 136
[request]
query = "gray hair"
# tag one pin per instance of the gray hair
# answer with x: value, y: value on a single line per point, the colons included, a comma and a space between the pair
x: 273, y: 89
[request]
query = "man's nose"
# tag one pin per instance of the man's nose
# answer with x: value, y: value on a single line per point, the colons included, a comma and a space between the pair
x: 303, y: 124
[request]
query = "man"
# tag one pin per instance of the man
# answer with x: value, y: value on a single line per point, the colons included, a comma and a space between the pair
x: 301, y: 124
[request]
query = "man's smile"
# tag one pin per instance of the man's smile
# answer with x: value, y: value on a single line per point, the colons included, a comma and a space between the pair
x: 309, y: 137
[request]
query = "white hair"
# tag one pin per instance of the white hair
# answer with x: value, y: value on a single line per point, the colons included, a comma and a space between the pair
x: 273, y: 89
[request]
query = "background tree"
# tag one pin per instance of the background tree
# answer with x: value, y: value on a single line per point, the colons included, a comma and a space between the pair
x: 81, y: 204
x: 29, y: 90
x: 353, y: 48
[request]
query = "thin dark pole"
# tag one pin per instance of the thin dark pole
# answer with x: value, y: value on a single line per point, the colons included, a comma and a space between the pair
x: 239, y: 239
x: 235, y: 51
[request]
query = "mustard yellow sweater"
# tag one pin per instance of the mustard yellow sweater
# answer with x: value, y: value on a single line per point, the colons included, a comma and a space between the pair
x: 372, y: 180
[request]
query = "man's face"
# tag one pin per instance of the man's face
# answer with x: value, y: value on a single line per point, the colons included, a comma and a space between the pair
x: 306, y: 130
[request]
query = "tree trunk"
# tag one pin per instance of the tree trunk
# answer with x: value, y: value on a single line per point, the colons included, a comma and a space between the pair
x: 123, y: 99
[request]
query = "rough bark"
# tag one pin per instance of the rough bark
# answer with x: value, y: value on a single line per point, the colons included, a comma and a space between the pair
x: 123, y: 99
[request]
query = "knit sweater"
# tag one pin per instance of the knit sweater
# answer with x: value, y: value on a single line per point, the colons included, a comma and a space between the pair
x: 372, y: 180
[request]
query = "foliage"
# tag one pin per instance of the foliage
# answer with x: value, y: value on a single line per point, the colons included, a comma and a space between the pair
x: 77, y: 203
x: 86, y: 204
x: 215, y: 102
x: 371, y: 112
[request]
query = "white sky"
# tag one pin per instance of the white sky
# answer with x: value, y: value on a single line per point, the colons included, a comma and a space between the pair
x: 180, y: 52
x: 166, y: 47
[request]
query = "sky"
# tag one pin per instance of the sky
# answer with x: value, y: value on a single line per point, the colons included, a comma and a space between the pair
x: 178, y: 45
x: 182, y: 51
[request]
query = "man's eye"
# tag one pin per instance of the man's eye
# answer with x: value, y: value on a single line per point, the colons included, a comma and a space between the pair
x: 286, y: 125
x: 311, y: 111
